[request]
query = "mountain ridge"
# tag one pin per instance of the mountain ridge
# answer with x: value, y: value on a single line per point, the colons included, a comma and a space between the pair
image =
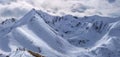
x: 62, y: 36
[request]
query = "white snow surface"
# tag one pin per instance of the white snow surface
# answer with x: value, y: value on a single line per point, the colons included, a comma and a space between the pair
x: 60, y: 36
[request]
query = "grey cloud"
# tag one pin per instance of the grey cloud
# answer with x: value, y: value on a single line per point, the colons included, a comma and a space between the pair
x: 111, y: 1
x: 7, y: 1
x: 74, y: 7
x: 17, y: 12
x: 79, y: 8
x: 14, y: 9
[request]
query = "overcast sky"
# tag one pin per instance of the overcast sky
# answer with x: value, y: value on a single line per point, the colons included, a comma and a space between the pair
x: 18, y: 8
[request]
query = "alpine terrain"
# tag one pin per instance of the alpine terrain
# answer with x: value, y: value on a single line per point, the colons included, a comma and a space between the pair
x: 40, y: 34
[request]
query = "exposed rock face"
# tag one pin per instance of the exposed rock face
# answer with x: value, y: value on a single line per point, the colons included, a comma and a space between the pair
x: 35, y: 54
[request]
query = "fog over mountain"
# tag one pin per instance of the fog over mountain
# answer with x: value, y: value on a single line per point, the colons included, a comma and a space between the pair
x: 17, y: 8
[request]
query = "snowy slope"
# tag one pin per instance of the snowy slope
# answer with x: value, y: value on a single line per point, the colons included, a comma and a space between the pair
x: 34, y: 34
x: 79, y: 31
x: 60, y: 36
x: 108, y: 45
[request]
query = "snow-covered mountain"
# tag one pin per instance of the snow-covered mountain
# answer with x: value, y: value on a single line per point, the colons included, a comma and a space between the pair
x: 60, y: 36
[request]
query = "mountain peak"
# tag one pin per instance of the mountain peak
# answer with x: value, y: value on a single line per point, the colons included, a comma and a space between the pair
x: 57, y: 36
x: 32, y: 10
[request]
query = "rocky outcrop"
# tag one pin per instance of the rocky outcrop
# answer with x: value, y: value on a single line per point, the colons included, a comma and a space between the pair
x: 35, y: 54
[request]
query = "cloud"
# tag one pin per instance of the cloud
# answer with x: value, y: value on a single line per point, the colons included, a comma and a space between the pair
x: 111, y: 1
x: 14, y: 9
x: 80, y: 7
x: 84, y: 7
x: 17, y: 8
